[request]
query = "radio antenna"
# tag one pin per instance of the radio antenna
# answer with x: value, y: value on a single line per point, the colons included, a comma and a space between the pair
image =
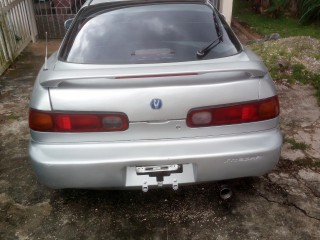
x: 46, y: 56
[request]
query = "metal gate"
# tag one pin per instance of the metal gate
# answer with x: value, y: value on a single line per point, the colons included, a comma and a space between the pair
x: 51, y: 14
x: 16, y: 29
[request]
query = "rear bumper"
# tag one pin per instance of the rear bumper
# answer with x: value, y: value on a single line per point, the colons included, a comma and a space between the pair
x: 111, y: 165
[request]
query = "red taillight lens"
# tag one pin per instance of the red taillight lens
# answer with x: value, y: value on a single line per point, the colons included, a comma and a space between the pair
x: 78, y: 123
x: 234, y: 114
x: 72, y: 122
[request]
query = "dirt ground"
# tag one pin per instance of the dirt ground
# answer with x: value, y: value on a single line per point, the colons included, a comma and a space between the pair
x: 284, y: 204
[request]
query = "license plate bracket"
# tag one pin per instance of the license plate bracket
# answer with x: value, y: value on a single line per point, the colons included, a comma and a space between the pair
x: 132, y: 179
x: 159, y: 171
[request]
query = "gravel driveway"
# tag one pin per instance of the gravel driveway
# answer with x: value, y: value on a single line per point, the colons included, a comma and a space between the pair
x: 284, y: 204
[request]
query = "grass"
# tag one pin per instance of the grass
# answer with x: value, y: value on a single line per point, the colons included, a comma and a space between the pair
x: 12, y: 116
x: 309, y: 163
x: 284, y: 59
x: 296, y: 145
x: 265, y: 25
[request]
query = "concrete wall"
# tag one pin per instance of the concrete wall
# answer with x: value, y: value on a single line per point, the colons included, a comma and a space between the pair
x: 226, y: 9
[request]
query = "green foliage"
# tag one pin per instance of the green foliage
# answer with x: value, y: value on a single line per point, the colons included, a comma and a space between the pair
x: 299, y: 73
x: 295, y: 145
x: 308, y: 162
x: 263, y: 24
x: 277, y: 7
x: 284, y: 59
x: 12, y: 116
x: 309, y: 10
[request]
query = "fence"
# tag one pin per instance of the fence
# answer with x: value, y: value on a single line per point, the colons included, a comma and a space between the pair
x: 50, y: 15
x: 17, y: 29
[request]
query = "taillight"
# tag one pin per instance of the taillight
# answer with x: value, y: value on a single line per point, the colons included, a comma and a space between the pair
x: 234, y: 114
x: 73, y: 122
x: 40, y: 121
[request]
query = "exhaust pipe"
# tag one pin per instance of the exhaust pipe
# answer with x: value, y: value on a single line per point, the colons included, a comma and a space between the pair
x: 225, y: 192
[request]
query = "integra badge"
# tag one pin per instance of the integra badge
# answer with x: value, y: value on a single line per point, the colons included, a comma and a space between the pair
x: 156, y: 103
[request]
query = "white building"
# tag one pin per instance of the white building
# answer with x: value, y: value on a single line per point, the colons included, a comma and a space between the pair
x: 225, y: 7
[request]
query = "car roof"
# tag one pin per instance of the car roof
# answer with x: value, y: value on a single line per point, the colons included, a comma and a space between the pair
x: 94, y: 2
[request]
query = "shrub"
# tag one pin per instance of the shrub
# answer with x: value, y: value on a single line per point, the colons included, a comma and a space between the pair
x: 309, y: 10
x: 277, y: 7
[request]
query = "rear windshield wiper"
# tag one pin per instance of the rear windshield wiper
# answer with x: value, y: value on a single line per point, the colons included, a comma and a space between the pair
x: 204, y: 51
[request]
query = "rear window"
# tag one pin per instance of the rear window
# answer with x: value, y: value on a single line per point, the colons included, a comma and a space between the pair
x: 157, y: 33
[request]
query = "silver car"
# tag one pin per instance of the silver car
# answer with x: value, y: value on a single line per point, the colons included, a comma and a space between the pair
x: 152, y: 93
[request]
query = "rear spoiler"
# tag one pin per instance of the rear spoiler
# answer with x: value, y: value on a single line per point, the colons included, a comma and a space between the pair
x: 53, y: 79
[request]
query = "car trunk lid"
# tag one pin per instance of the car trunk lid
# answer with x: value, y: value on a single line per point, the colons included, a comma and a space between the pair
x: 134, y: 90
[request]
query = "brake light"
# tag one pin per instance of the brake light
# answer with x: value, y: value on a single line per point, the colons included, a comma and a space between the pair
x: 234, y: 114
x: 74, y: 122
x: 158, y: 75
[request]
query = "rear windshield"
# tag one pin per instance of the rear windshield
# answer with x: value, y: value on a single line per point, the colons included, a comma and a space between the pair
x: 157, y: 33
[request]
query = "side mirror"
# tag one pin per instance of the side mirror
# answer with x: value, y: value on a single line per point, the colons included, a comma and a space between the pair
x: 68, y: 23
